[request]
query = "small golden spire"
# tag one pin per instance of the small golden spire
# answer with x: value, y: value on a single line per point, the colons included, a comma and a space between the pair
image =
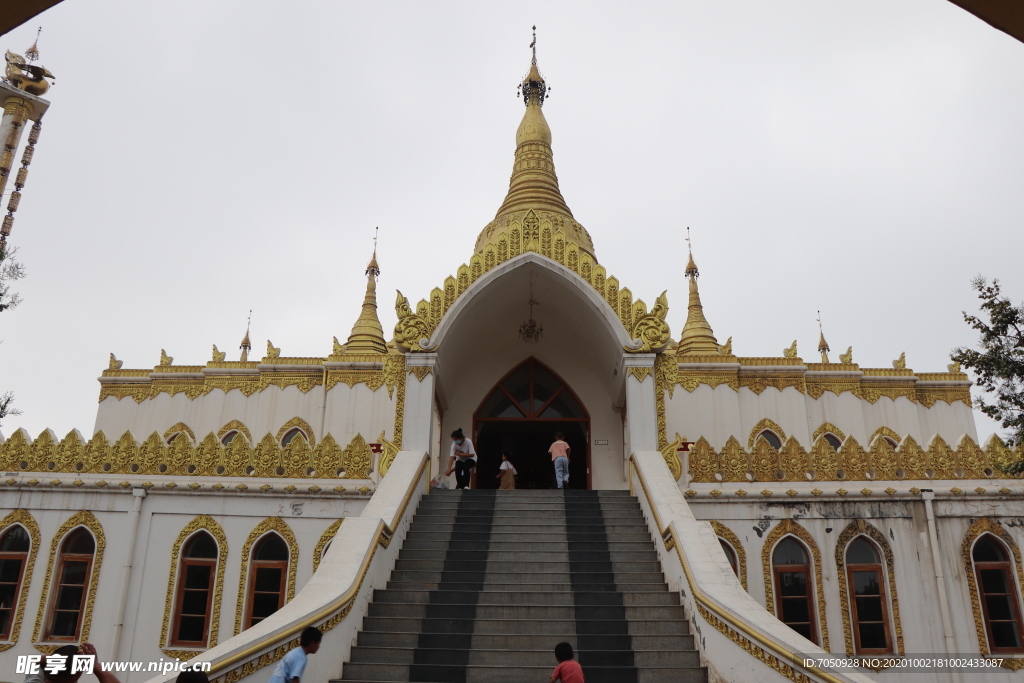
x: 246, y: 346
x: 32, y: 54
x: 691, y: 266
x: 367, y: 334
x: 823, y: 348
x: 697, y: 338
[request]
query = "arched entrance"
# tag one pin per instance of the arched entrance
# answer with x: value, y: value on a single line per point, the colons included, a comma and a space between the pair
x: 520, y: 416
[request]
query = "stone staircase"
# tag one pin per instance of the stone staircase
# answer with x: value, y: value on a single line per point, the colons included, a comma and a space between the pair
x: 488, y: 582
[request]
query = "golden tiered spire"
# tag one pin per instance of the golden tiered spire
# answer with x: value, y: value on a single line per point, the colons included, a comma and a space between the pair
x: 367, y: 334
x: 246, y: 345
x: 823, y: 348
x: 698, y: 338
x: 534, y: 184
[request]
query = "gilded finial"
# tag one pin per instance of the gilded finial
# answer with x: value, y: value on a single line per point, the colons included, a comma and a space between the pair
x: 246, y: 346
x: 791, y: 351
x: 953, y: 367
x: 115, y: 364
x: 23, y: 74
x: 164, y: 358
x: 273, y: 351
x: 533, y: 46
x: 847, y: 358
x: 726, y: 348
x: 367, y: 334
x: 533, y: 88
x: 901, y: 362
x: 372, y: 268
x: 218, y: 355
x: 823, y: 348
x: 691, y: 266
x: 32, y: 54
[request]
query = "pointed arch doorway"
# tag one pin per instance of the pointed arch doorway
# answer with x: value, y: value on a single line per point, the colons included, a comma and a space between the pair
x: 521, y: 415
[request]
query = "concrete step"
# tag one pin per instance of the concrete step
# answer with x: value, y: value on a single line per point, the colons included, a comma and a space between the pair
x: 537, y: 544
x: 545, y: 588
x: 520, y: 641
x: 535, y: 526
x: 373, y: 673
x: 559, y: 628
x: 530, y: 556
x: 624, y: 578
x: 520, y: 658
x: 566, y: 598
x: 529, y: 493
x: 631, y: 535
x: 538, y: 612
x: 509, y: 567
x: 609, y: 507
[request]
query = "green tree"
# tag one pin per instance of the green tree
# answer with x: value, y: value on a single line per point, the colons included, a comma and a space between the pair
x: 998, y: 364
x: 11, y: 270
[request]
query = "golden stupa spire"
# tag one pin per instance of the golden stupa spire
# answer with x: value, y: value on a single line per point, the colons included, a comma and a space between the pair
x: 367, y: 334
x: 823, y: 348
x: 534, y: 184
x: 698, y: 338
x: 246, y: 345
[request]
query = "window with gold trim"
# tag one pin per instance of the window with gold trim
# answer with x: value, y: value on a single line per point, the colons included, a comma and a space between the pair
x: 268, y: 578
x: 69, y: 593
x: 794, y: 587
x: 197, y: 576
x: 229, y: 437
x: 771, y: 437
x: 15, y: 544
x: 292, y: 434
x: 869, y: 603
x: 833, y: 440
x: 999, y: 595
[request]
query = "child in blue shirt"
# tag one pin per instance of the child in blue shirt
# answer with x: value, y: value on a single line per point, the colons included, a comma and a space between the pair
x: 289, y: 669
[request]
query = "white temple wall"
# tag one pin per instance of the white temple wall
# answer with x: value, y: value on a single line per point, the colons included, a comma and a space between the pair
x: 903, y: 523
x: 359, y: 409
x: 720, y: 412
x: 162, y: 517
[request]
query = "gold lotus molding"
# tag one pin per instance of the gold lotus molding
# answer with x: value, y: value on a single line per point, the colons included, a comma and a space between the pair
x: 302, y: 425
x: 83, y: 518
x: 161, y: 380
x: 25, y: 520
x: 851, y: 463
x: 207, y: 524
x: 979, y: 528
x: 421, y: 371
x: 856, y: 528
x: 281, y: 528
x: 207, y: 458
x: 733, y: 540
x: 869, y: 384
x: 641, y: 373
x: 788, y: 527
x: 418, y: 325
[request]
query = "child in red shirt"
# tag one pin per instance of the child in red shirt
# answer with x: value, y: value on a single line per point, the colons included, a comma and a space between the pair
x: 567, y: 671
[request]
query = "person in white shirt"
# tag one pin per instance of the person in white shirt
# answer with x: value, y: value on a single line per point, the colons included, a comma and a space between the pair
x: 462, y: 459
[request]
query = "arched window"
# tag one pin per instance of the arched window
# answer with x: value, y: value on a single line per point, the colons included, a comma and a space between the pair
x: 229, y: 437
x: 891, y: 442
x: 833, y: 440
x: 69, y: 594
x: 793, y: 587
x: 869, y: 605
x: 730, y: 555
x: 292, y: 433
x: 197, y: 575
x: 175, y: 436
x: 771, y: 437
x: 1000, y: 601
x: 268, y: 572
x: 14, y: 548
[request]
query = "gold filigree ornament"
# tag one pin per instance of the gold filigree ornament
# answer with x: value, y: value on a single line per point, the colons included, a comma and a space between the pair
x: 85, y: 519
x: 389, y: 450
x: 788, y: 527
x: 651, y: 329
x: 411, y: 328
x: 300, y: 424
x: 25, y: 520
x: 760, y: 427
x: 671, y: 454
x: 200, y: 524
x: 357, y: 459
x: 856, y: 528
x: 269, y: 525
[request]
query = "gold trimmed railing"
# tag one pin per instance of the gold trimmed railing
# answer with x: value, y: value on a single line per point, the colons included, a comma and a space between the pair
x: 785, y: 660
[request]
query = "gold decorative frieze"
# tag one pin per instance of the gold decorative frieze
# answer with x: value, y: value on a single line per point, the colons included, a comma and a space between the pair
x: 760, y: 427
x: 421, y: 371
x: 415, y: 327
x: 299, y: 423
x: 206, y: 458
x: 881, y: 462
x: 640, y: 373
x: 182, y: 428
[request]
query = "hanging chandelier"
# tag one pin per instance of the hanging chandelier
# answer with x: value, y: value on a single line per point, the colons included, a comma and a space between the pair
x: 531, y: 330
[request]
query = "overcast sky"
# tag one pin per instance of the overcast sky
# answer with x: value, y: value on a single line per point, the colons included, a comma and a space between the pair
x: 200, y: 159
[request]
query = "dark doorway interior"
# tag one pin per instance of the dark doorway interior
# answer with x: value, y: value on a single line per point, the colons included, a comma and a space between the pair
x: 521, y: 416
x: 528, y: 443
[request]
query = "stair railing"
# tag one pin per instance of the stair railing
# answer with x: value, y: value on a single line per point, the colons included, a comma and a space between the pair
x: 345, y: 580
x: 739, y: 639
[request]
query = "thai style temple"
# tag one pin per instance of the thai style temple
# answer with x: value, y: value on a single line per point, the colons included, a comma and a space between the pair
x: 728, y: 517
